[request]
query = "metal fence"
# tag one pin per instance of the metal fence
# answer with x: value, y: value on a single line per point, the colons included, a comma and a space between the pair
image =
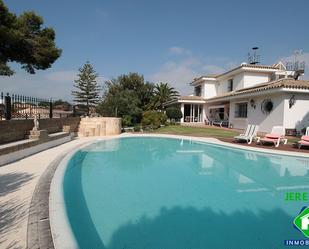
x: 16, y: 106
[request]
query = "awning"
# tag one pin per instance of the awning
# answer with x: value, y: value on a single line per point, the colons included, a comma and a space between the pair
x: 216, y: 106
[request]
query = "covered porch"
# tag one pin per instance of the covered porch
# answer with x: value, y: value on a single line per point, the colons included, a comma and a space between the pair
x: 192, y: 108
x: 192, y: 113
x: 218, y: 114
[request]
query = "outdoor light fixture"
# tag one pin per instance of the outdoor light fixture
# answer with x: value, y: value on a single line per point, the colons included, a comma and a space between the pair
x: 252, y: 103
x: 292, y: 101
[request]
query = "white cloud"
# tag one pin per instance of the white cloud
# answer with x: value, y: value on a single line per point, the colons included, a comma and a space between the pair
x: 213, y: 69
x: 179, y: 73
x: 56, y: 84
x: 179, y: 51
x: 61, y: 76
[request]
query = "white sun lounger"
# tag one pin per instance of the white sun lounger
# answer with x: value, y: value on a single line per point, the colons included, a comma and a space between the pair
x: 276, y: 136
x: 249, y: 134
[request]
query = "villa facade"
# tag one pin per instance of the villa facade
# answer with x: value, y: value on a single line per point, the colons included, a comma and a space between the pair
x: 248, y: 94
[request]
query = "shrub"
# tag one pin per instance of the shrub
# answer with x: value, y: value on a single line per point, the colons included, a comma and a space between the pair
x: 154, y: 119
x: 173, y: 113
x: 126, y: 121
x: 137, y: 127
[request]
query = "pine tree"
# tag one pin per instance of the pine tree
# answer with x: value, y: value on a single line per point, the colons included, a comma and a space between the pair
x: 87, y: 87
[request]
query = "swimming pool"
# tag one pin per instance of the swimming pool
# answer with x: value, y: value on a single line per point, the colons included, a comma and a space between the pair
x: 163, y: 193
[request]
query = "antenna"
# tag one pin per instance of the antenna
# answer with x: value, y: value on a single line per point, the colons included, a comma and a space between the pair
x: 298, y: 67
x: 254, y: 58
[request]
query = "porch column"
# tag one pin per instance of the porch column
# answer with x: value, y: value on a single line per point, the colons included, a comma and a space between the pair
x: 198, y: 114
x: 204, y: 112
x: 182, y: 108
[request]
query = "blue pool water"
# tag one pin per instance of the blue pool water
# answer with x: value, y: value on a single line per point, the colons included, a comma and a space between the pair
x: 163, y: 193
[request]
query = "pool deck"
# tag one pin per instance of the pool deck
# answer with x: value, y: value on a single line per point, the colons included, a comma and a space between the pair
x: 19, y: 179
x: 17, y: 184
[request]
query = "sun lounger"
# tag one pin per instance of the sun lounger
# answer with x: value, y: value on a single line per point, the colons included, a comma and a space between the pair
x: 304, y: 140
x: 207, y: 121
x: 275, y: 137
x: 249, y: 134
x: 221, y: 123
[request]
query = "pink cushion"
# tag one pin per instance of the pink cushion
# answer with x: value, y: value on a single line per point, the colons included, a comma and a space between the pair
x: 304, y: 142
x: 272, y: 136
x: 270, y: 140
x: 306, y: 138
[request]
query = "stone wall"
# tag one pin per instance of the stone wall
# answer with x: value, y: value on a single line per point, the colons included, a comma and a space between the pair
x: 56, y: 124
x: 100, y: 126
x: 14, y: 130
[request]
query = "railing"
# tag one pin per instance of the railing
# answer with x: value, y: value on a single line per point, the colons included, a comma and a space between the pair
x: 24, y: 107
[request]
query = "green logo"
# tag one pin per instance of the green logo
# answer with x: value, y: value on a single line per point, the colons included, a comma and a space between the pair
x: 302, y: 221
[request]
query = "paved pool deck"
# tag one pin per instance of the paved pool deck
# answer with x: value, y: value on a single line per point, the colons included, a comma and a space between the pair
x: 17, y: 184
x: 19, y: 179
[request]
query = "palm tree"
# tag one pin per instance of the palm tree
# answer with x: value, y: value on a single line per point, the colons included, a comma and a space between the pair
x: 162, y: 93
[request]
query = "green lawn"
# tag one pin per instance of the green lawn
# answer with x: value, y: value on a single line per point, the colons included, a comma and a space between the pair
x: 197, y: 132
x: 214, y: 132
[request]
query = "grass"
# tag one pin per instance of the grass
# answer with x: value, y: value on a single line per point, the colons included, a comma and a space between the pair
x: 214, y: 132
x: 197, y: 131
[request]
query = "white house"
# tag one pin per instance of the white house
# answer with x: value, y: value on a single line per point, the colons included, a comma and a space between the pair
x: 249, y: 94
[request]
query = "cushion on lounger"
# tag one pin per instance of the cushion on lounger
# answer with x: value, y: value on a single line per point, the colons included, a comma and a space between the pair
x: 304, y: 142
x: 272, y: 136
x: 306, y: 138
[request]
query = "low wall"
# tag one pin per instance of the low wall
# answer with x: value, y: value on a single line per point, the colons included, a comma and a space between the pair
x: 55, y: 124
x: 14, y: 130
x: 101, y: 126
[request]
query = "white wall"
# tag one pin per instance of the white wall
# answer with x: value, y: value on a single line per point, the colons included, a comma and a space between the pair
x: 252, y: 78
x: 209, y: 89
x: 298, y: 115
x: 238, y: 83
x: 256, y: 116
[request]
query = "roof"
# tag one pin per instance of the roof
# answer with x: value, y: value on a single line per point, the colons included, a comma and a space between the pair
x: 257, y: 66
x: 281, y: 83
x: 191, y: 98
x: 185, y: 99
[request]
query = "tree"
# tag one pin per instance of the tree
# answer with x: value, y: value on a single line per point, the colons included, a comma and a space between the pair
x: 23, y: 40
x: 126, y: 96
x: 87, y: 87
x: 153, y: 118
x: 173, y: 113
x: 62, y: 104
x: 162, y: 93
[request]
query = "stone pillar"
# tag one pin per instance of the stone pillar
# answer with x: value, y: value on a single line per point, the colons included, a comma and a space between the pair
x: 38, y: 134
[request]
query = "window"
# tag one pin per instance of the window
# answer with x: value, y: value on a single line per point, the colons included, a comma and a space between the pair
x: 230, y: 85
x: 198, y: 91
x: 241, y: 110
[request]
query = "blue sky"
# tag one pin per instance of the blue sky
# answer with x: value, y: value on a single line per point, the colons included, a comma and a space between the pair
x: 170, y: 41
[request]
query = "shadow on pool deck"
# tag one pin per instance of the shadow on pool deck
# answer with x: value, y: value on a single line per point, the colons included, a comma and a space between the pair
x: 188, y: 228
x: 13, y: 181
x: 12, y: 211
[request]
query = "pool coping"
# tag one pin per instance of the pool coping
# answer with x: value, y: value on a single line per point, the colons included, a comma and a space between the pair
x: 48, y: 226
x: 216, y: 141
